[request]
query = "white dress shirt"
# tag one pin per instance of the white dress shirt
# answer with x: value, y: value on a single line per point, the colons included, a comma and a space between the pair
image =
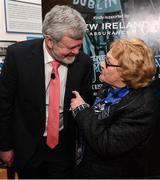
x: 63, y: 77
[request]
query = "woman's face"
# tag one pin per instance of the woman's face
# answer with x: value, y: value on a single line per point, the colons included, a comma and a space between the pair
x: 109, y: 71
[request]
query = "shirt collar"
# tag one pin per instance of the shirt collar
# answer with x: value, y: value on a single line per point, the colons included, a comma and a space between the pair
x: 47, y: 57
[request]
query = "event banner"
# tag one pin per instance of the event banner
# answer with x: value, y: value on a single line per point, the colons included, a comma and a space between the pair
x: 108, y: 20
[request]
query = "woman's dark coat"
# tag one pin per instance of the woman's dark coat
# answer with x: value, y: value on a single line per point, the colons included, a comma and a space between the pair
x: 116, y: 144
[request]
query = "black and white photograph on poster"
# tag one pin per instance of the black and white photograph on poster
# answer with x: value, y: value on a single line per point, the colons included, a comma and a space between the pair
x: 1, y: 62
x: 4, y: 45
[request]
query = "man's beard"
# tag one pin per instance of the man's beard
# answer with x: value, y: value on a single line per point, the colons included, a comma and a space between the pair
x: 64, y: 60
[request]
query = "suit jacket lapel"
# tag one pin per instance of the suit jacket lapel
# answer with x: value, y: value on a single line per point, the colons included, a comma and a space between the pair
x: 71, y: 82
x: 69, y: 85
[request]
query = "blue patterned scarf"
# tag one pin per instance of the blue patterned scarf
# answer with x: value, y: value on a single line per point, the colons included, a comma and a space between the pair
x: 114, y: 96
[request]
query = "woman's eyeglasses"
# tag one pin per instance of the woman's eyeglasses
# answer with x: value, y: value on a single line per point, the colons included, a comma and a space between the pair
x: 108, y: 64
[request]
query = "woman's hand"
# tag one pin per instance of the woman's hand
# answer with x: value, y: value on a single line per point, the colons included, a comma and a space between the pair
x: 78, y: 100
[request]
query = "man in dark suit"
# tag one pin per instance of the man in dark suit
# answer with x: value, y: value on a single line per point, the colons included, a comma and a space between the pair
x: 24, y: 96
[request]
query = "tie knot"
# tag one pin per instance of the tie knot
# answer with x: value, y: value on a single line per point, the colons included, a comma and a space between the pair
x: 55, y: 64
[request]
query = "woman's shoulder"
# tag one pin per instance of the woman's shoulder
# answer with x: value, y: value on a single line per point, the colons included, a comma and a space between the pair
x: 139, y: 99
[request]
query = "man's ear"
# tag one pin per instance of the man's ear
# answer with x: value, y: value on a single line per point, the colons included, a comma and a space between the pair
x: 49, y: 42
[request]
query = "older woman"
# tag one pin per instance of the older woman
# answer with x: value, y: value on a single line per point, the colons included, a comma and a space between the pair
x: 118, y: 126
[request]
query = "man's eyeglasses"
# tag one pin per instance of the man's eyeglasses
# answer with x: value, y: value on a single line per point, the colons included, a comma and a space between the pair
x: 108, y: 64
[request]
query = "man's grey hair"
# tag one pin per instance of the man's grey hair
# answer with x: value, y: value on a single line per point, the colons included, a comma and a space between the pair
x: 64, y: 20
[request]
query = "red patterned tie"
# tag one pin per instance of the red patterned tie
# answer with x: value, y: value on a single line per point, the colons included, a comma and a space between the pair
x: 53, y: 109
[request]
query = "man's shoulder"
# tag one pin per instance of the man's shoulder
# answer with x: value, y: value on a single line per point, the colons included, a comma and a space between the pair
x: 82, y: 54
x: 26, y: 43
x: 83, y: 58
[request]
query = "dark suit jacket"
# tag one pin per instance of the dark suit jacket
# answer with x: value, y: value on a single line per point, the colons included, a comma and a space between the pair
x: 22, y: 97
x: 116, y: 145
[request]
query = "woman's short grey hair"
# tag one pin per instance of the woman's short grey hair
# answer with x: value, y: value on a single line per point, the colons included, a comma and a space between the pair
x: 64, y: 20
